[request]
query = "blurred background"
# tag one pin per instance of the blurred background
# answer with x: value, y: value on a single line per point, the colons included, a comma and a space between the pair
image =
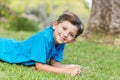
x: 32, y: 15
x: 101, y: 19
x: 97, y: 50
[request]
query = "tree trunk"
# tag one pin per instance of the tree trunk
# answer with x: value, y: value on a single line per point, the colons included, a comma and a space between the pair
x: 105, y: 17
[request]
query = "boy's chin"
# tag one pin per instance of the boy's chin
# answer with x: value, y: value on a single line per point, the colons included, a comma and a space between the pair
x: 62, y: 42
x: 59, y: 42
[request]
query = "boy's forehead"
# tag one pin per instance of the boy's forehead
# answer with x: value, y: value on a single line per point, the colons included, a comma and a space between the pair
x: 69, y: 25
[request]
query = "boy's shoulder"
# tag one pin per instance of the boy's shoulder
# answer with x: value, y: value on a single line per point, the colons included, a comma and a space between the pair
x: 47, y: 31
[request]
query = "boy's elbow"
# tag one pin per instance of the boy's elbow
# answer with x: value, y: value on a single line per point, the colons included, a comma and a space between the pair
x: 38, y: 66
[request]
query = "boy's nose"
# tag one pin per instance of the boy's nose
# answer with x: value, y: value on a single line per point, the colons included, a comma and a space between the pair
x: 66, y: 34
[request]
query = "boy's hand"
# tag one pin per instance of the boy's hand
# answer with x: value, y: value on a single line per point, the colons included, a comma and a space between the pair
x: 74, y: 71
x: 70, y: 69
x: 71, y: 66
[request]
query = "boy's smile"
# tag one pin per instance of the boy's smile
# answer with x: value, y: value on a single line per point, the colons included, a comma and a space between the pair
x: 64, y: 32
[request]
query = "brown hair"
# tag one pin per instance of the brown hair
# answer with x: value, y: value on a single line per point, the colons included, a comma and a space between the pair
x: 73, y: 19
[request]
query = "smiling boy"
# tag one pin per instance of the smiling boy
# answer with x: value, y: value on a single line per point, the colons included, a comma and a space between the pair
x: 45, y: 45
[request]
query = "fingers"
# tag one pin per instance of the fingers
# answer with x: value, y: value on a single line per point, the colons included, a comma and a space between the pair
x: 72, y: 65
x: 74, y: 71
x: 78, y: 73
x: 77, y: 66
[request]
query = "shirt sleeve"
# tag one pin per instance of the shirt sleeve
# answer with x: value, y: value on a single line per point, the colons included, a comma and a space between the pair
x: 59, y: 53
x: 38, y: 51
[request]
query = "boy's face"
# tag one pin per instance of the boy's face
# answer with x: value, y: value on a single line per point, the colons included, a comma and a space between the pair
x: 64, y: 32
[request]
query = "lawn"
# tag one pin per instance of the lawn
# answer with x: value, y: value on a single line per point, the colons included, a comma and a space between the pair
x: 98, y: 62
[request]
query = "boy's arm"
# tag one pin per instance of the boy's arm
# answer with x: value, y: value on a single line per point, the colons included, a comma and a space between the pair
x: 48, y: 68
x: 58, y: 64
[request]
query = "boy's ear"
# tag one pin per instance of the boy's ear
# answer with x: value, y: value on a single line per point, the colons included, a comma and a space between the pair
x: 55, y: 24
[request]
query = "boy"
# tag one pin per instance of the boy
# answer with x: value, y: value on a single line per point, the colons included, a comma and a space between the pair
x: 47, y: 44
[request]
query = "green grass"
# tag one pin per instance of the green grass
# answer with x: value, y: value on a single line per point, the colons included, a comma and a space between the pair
x: 98, y: 62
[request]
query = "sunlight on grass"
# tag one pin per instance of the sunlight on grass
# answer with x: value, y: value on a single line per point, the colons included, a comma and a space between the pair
x: 98, y: 62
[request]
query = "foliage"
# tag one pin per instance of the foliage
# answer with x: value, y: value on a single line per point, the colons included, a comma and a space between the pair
x: 5, y: 1
x: 20, y: 23
x: 98, y: 62
x: 4, y: 10
x: 52, y: 7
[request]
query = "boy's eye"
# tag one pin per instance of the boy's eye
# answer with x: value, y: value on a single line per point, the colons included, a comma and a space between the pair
x: 64, y: 28
x: 72, y: 35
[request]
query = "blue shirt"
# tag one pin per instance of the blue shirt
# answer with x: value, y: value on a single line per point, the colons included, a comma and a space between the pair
x: 38, y: 48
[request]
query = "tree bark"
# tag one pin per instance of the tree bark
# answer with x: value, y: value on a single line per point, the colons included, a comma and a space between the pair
x: 105, y: 17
